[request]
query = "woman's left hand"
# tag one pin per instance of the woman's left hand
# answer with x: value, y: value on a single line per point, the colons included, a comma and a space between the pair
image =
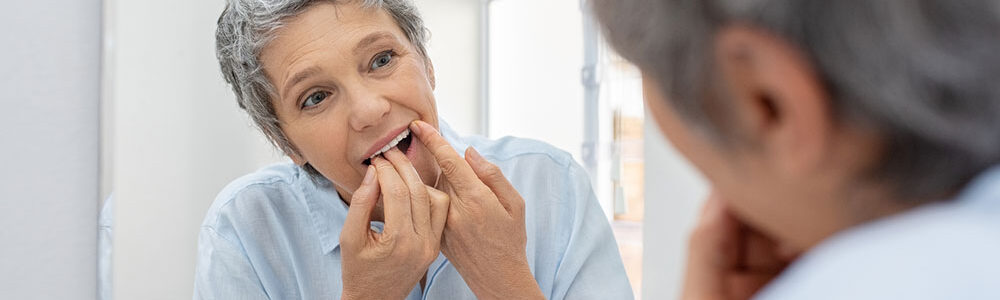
x: 484, y: 236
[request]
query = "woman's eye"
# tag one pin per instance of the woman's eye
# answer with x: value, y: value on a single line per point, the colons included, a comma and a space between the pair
x: 381, y: 60
x: 314, y: 99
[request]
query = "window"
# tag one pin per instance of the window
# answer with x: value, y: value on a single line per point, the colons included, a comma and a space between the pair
x: 551, y: 77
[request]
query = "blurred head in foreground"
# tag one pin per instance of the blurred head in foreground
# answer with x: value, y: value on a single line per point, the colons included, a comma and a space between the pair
x: 811, y: 116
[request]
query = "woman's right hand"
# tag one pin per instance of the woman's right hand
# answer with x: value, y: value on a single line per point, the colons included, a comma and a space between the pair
x: 388, y: 265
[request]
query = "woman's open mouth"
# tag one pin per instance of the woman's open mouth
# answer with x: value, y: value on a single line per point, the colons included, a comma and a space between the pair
x: 402, y: 142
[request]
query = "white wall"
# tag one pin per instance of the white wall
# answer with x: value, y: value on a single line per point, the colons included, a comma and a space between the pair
x: 674, y: 193
x: 536, y: 54
x: 455, y: 51
x: 49, y: 91
x: 179, y: 136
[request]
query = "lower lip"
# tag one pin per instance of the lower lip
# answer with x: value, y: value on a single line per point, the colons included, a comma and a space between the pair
x: 411, y: 152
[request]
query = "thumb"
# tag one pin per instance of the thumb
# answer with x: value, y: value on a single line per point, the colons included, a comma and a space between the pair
x: 357, y: 223
x: 439, y: 209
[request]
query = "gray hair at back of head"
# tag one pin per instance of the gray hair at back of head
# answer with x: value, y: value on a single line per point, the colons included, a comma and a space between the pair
x: 922, y: 73
x: 245, y: 28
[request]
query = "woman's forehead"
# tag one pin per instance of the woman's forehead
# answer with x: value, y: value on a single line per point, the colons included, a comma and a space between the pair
x: 332, y: 26
x: 326, y: 28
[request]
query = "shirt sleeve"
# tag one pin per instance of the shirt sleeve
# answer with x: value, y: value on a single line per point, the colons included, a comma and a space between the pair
x: 223, y: 270
x: 591, y: 267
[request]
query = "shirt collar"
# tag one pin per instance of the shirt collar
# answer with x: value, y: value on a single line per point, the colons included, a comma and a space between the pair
x: 329, y: 212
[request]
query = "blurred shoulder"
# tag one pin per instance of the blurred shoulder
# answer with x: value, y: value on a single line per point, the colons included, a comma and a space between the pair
x: 938, y: 251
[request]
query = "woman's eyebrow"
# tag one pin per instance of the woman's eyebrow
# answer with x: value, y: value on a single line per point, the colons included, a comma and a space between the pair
x: 365, y: 42
x: 299, y: 77
x: 371, y: 39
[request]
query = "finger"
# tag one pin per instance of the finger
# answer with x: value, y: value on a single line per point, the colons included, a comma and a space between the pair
x: 787, y: 252
x: 713, y: 249
x: 716, y: 237
x: 419, y: 200
x: 439, y: 210
x: 727, y: 234
x: 710, y: 200
x: 492, y: 176
x: 444, y: 186
x: 395, y: 197
x: 745, y: 285
x: 760, y: 253
x: 455, y: 169
x: 358, y: 221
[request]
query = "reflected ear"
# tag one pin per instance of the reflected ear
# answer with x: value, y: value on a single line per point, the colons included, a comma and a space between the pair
x: 775, y: 97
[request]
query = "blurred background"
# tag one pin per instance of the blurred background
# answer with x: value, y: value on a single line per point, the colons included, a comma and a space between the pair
x: 125, y: 98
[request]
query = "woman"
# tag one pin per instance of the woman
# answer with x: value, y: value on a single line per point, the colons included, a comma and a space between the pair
x: 861, y: 134
x: 344, y: 88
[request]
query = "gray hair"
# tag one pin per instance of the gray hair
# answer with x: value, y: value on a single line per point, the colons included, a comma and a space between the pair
x: 922, y: 73
x: 245, y: 28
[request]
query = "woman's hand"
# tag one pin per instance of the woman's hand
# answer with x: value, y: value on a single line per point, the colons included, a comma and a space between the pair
x: 484, y: 236
x: 727, y: 259
x: 388, y: 265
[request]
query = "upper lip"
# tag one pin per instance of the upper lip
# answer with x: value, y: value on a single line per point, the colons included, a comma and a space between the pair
x: 384, y: 141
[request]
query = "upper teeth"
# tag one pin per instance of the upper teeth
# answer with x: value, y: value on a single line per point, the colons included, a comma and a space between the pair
x: 393, y: 143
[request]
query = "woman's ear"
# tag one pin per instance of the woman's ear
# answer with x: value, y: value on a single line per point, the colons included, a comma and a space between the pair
x: 298, y: 160
x: 776, y: 99
x: 430, y: 73
x: 296, y: 157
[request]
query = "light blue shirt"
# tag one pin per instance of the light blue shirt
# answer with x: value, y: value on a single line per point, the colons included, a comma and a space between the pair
x: 274, y: 234
x: 948, y: 250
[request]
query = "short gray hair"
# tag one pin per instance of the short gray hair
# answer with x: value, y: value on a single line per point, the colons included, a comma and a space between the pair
x: 925, y: 74
x: 245, y: 28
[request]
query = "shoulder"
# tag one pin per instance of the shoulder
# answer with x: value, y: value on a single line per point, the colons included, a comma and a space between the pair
x: 532, y: 166
x: 509, y: 150
x: 520, y: 149
x: 553, y: 185
x: 932, y: 253
x: 257, y: 192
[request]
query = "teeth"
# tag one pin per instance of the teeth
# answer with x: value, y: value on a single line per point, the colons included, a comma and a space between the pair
x: 393, y: 143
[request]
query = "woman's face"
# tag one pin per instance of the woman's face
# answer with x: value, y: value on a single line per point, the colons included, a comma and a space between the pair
x: 349, y: 82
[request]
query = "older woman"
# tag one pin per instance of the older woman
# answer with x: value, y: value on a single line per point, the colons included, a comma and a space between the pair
x: 344, y: 88
x: 864, y: 134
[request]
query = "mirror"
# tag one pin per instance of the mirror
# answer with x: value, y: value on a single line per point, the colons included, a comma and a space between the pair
x: 175, y: 136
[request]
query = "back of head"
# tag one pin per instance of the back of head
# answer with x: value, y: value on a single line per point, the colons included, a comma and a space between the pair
x: 921, y: 73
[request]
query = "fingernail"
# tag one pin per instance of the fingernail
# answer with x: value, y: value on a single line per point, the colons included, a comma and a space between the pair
x: 426, y: 127
x: 415, y: 127
x: 475, y: 155
x: 369, y: 176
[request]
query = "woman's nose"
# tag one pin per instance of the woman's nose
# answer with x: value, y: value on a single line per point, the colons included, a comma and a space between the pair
x: 368, y: 109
